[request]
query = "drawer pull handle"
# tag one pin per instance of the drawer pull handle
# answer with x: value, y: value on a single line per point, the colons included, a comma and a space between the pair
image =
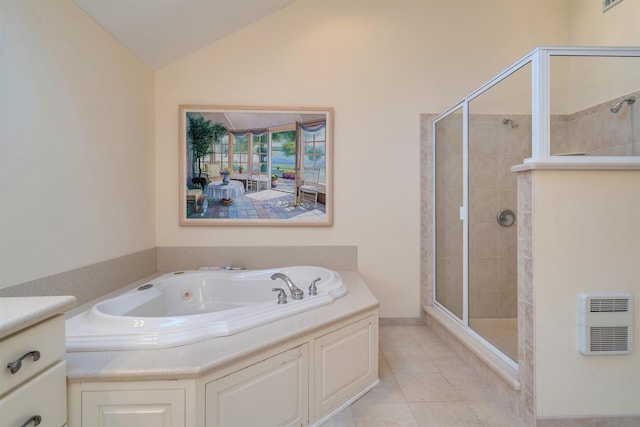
x: 36, y: 420
x: 17, y: 364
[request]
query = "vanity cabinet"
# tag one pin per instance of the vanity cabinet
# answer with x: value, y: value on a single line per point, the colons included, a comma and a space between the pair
x: 33, y: 377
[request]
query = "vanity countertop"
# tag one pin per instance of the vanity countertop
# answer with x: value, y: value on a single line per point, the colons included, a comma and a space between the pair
x: 17, y: 313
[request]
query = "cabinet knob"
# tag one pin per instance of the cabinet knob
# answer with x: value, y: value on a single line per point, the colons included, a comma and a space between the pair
x: 36, y: 420
x: 17, y: 364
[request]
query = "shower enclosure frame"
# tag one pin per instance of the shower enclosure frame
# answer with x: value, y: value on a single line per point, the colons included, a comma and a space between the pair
x: 540, y: 61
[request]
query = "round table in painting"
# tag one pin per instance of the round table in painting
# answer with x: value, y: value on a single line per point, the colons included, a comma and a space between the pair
x: 225, y: 193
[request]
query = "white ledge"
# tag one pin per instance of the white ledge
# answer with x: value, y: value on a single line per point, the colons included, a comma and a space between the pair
x: 578, y: 164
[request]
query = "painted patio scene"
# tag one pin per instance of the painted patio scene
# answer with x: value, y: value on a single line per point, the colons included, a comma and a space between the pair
x: 255, y: 165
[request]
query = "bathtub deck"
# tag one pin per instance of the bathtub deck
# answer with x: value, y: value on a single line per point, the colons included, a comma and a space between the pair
x: 198, y: 359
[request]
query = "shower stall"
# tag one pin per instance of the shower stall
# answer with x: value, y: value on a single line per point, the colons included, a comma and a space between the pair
x: 553, y: 106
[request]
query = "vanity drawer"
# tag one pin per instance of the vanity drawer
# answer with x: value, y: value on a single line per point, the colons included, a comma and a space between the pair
x: 44, y: 396
x: 47, y: 338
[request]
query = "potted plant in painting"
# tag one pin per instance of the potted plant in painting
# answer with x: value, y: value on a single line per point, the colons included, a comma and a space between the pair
x: 201, y: 134
x: 274, y: 180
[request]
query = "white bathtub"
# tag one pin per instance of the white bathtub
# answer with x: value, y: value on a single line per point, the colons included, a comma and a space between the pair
x: 186, y: 307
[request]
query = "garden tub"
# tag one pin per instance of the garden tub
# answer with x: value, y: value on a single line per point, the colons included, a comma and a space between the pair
x: 184, y: 307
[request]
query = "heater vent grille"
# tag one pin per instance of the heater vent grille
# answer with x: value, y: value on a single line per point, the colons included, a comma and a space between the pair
x: 605, y: 323
x: 609, y: 338
x: 608, y: 305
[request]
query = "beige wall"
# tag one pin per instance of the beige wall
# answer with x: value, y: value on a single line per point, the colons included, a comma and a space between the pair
x: 618, y: 26
x: 77, y: 154
x: 592, y: 81
x: 379, y: 64
x: 586, y: 239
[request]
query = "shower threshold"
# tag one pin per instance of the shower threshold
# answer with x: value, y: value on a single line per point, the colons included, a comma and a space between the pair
x: 501, y: 332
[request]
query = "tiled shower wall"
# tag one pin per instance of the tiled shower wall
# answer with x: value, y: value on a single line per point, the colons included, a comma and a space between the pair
x: 495, y: 145
x: 597, y: 131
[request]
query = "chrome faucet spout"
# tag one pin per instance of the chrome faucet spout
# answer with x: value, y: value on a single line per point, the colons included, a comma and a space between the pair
x: 296, y: 293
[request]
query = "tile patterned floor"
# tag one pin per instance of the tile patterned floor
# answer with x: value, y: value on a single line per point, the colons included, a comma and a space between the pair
x: 265, y: 204
x: 423, y: 383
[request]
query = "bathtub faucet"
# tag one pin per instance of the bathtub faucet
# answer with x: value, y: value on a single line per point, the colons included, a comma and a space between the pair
x: 296, y: 293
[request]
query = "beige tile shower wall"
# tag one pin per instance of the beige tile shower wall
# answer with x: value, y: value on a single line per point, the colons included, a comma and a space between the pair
x: 494, y: 147
x: 597, y: 131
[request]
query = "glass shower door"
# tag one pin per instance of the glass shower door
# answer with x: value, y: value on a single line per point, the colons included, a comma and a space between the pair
x: 449, y: 228
x: 499, y: 138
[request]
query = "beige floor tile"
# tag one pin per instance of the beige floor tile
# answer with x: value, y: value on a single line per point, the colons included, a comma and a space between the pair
x: 422, y: 333
x: 385, y: 415
x: 387, y: 391
x: 423, y: 383
x: 384, y: 370
x: 493, y: 415
x: 451, y: 364
x: 462, y: 378
x: 397, y: 342
x: 435, y: 348
x: 343, y: 419
x: 474, y: 394
x: 403, y: 362
x: 444, y: 414
x: 426, y: 387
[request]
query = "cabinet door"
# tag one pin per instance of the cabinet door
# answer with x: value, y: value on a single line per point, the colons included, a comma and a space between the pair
x: 273, y: 392
x: 46, y: 338
x: 140, y: 408
x: 346, y: 361
x: 43, y: 396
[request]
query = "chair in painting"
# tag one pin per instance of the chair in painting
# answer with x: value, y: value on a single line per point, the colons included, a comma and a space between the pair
x: 254, y: 180
x: 193, y: 194
x: 213, y: 172
x: 309, y: 188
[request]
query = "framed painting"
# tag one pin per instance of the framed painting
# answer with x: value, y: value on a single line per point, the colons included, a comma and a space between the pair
x: 256, y: 166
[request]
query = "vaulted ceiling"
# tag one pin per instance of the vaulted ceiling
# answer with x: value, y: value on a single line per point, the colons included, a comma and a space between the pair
x: 160, y: 32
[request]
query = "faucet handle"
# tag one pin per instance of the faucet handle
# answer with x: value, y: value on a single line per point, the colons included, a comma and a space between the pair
x: 313, y: 289
x: 282, y: 296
